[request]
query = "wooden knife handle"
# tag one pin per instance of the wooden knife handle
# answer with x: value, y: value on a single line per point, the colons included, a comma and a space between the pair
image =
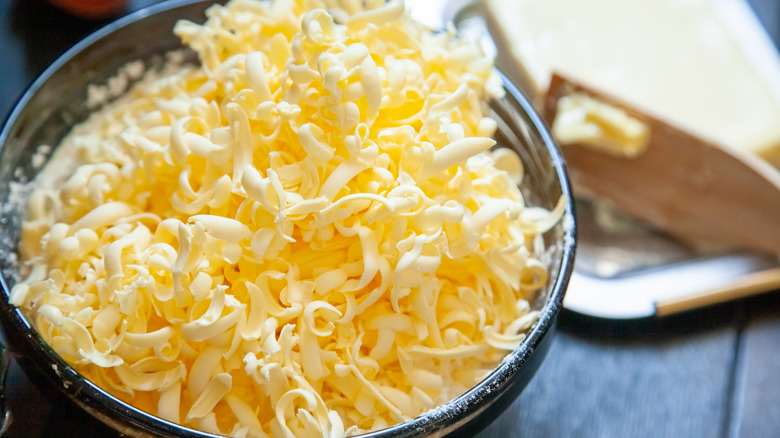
x: 747, y: 285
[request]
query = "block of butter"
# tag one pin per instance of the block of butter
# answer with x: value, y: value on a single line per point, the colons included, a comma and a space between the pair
x: 705, y: 66
x: 714, y: 198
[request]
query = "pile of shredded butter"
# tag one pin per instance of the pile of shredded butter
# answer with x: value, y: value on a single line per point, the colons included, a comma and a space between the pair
x: 305, y: 235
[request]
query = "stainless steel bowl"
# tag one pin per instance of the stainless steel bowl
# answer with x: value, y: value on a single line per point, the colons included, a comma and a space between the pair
x: 57, y: 100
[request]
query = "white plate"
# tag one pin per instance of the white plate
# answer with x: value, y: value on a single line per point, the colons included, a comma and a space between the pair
x: 623, y: 269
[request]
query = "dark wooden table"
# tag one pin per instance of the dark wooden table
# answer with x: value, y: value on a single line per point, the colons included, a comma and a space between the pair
x: 709, y: 373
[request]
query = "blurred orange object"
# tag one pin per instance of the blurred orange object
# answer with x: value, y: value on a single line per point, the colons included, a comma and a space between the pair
x: 92, y: 9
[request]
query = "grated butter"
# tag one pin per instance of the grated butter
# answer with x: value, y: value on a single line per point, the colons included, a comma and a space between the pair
x: 306, y: 235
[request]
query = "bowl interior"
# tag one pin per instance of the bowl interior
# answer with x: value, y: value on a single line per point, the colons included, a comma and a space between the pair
x: 57, y: 101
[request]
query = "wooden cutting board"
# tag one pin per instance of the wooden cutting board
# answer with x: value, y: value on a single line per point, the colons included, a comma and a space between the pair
x: 702, y: 193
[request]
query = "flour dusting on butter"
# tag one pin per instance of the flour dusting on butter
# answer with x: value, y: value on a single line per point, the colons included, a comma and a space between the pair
x: 305, y: 235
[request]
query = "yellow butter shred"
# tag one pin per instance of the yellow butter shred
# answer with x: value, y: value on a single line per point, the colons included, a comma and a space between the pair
x: 305, y: 235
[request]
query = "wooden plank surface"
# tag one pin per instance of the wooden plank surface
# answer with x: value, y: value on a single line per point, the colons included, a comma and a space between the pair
x: 634, y: 379
x: 756, y: 401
